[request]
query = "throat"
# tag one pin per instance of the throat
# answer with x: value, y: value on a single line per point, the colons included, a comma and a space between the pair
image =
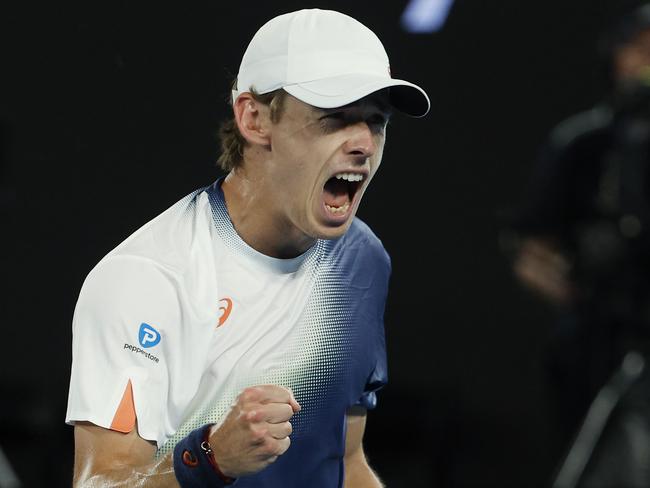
x: 259, y: 226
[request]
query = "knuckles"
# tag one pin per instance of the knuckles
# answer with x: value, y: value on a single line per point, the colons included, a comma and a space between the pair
x: 249, y: 395
x: 275, y: 448
x: 261, y: 392
x: 262, y: 429
x: 258, y: 436
x: 269, y: 448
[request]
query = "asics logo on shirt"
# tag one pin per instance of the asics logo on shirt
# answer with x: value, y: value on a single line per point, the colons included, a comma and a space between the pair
x: 148, y: 336
x: 225, y: 307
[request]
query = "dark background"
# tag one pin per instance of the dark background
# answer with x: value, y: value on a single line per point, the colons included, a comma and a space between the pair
x: 109, y: 115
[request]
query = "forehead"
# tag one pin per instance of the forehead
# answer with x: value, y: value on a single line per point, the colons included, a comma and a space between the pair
x: 375, y: 102
x: 378, y: 100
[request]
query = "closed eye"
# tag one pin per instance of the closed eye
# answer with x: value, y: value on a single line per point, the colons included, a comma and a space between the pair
x: 334, y: 115
x: 332, y: 121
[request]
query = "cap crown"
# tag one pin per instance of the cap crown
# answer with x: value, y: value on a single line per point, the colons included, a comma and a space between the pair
x: 309, y: 45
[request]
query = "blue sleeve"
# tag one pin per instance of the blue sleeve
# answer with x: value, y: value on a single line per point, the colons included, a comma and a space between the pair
x: 379, y: 375
x: 377, y: 380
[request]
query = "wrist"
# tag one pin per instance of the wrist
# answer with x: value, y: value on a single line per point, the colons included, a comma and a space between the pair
x: 194, y: 463
x: 207, y: 449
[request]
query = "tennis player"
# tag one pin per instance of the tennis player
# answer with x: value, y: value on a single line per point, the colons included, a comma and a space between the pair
x: 237, y: 338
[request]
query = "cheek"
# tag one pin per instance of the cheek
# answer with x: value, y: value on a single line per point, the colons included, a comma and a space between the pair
x: 376, y: 159
x: 289, y: 159
x: 295, y: 175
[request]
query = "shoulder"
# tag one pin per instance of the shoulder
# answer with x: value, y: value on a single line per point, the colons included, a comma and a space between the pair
x: 167, y: 238
x: 158, y: 266
x: 126, y: 287
x: 580, y: 126
x: 364, y: 243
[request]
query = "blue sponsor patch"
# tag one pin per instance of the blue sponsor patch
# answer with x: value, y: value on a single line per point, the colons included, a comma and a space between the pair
x: 148, y: 336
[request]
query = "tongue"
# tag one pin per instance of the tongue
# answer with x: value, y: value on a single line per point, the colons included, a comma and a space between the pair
x: 335, y: 192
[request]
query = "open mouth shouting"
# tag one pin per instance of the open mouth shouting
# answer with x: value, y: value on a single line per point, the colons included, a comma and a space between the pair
x: 340, y: 194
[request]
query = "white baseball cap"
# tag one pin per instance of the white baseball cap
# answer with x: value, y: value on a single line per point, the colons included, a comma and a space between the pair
x: 326, y: 59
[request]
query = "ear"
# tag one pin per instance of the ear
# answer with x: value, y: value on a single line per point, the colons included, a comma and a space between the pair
x: 253, y: 120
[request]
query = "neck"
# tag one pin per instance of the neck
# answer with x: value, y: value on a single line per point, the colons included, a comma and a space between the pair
x: 257, y: 220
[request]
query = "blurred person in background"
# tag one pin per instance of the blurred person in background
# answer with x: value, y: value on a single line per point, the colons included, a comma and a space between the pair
x: 582, y: 242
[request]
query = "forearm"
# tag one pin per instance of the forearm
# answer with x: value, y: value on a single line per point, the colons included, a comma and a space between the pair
x: 159, y: 473
x: 358, y: 474
x: 255, y: 432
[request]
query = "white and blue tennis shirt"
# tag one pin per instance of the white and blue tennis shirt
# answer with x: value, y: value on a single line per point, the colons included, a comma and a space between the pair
x: 183, y: 315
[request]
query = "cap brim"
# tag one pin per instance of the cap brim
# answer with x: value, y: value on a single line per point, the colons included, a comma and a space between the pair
x: 343, y: 90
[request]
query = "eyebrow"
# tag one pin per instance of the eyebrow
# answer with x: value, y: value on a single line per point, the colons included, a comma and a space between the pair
x: 385, y: 108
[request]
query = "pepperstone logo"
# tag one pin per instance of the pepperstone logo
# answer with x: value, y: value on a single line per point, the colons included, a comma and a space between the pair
x: 148, y: 336
x: 137, y: 350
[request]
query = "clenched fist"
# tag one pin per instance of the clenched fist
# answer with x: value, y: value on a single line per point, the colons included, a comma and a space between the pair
x: 255, y: 431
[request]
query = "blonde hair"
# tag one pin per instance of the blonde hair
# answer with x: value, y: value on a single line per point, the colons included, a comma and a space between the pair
x: 231, y: 140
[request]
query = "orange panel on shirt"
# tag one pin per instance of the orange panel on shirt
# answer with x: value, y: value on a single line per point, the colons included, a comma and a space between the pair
x: 124, y: 420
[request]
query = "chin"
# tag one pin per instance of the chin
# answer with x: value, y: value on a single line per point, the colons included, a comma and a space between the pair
x: 332, y: 232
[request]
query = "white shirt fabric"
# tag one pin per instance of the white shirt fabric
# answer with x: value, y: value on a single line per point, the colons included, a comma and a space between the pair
x: 191, y: 315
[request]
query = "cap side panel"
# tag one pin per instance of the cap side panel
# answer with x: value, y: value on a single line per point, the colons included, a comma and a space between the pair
x: 321, y: 64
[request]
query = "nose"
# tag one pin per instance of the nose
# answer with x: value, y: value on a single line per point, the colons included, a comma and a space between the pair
x: 361, y: 141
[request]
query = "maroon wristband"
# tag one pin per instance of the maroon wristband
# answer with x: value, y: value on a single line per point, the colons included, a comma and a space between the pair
x: 207, y: 449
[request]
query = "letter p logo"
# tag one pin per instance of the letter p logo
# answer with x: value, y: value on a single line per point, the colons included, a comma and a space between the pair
x: 148, y: 336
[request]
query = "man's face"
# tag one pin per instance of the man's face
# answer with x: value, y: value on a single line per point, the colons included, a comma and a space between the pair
x: 322, y: 162
x: 633, y: 59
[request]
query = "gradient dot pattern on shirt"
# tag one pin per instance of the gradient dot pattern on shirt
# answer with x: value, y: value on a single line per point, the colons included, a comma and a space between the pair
x: 316, y: 355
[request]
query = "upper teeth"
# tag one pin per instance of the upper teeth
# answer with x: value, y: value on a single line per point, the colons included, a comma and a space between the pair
x: 349, y: 176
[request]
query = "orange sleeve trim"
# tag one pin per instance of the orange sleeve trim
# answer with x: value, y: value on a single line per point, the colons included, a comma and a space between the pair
x: 124, y: 420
